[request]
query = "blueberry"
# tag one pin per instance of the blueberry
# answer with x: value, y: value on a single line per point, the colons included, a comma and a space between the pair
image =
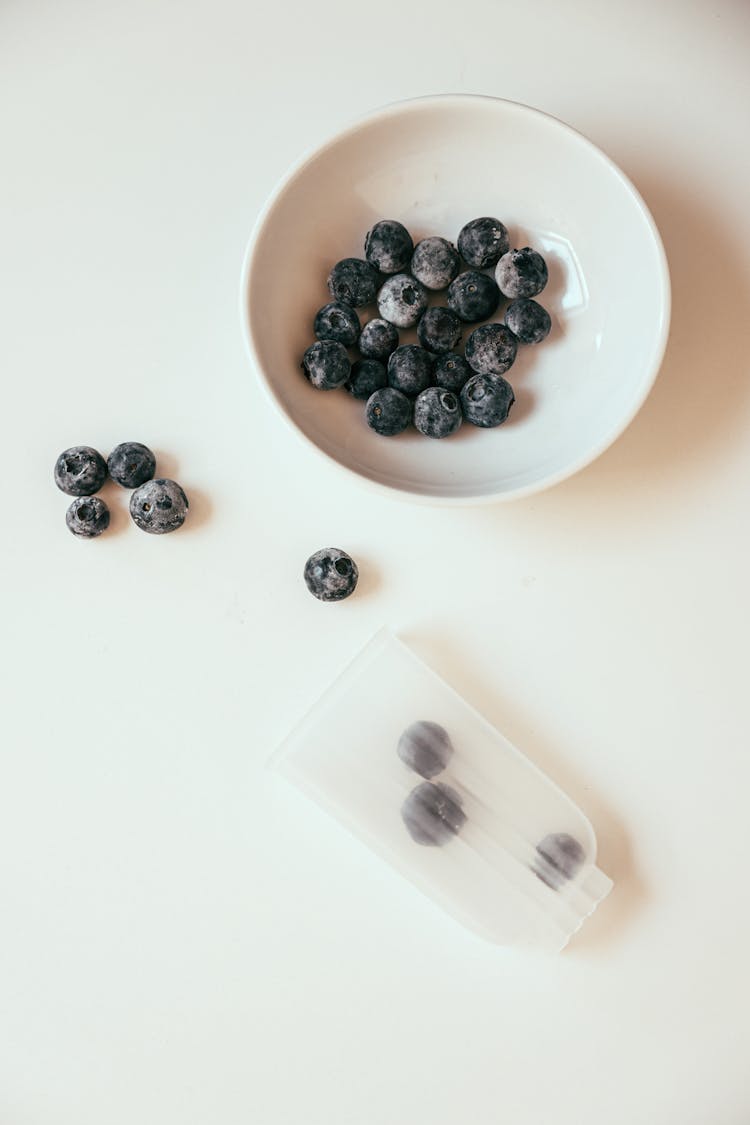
x: 402, y: 300
x: 529, y: 322
x: 473, y: 296
x: 425, y: 747
x: 388, y: 412
x: 326, y: 364
x: 491, y: 349
x: 439, y: 330
x: 451, y: 371
x: 131, y: 464
x: 521, y: 273
x: 435, y: 262
x: 368, y: 375
x: 437, y: 412
x: 354, y: 282
x: 87, y: 517
x: 482, y: 241
x: 331, y: 575
x: 410, y: 369
x: 432, y: 814
x: 80, y: 471
x: 559, y: 858
x: 388, y: 246
x: 486, y: 400
x: 336, y: 321
x: 378, y: 339
x: 159, y: 506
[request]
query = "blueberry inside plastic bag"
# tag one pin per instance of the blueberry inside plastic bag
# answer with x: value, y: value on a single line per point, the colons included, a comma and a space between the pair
x: 400, y: 759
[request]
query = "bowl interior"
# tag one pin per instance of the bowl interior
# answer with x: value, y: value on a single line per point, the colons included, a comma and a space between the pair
x: 434, y: 164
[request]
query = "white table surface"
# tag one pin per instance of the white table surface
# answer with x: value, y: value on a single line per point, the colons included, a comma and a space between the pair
x: 183, y: 938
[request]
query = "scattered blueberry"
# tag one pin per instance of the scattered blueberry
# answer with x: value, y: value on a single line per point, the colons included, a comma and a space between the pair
x: 388, y: 246
x: 528, y: 320
x: 437, y: 413
x: 353, y: 282
x: 559, y: 859
x: 378, y: 339
x: 521, y: 273
x: 331, y: 575
x: 491, y: 349
x: 80, y: 471
x: 425, y: 747
x: 451, y: 371
x: 473, y: 296
x: 439, y: 330
x: 410, y: 369
x: 368, y: 375
x: 87, y: 517
x: 486, y: 400
x: 482, y: 241
x: 336, y: 321
x: 326, y: 364
x: 435, y: 262
x: 131, y: 464
x: 432, y: 814
x: 388, y: 412
x: 402, y: 300
x: 159, y: 506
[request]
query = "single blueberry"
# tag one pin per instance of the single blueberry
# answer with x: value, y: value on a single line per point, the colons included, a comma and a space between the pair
x: 326, y: 365
x: 425, y: 747
x: 451, y: 371
x: 473, y: 296
x: 159, y: 506
x: 331, y: 575
x: 482, y: 241
x: 388, y: 246
x: 437, y: 413
x: 388, y: 412
x: 378, y: 339
x: 131, y: 464
x: 528, y: 321
x: 80, y: 471
x: 336, y: 321
x: 559, y: 858
x: 439, y: 330
x: 368, y: 375
x: 402, y: 300
x: 491, y: 349
x: 432, y: 814
x: 435, y: 262
x: 410, y: 369
x: 521, y: 273
x: 354, y: 282
x: 486, y: 400
x: 87, y: 517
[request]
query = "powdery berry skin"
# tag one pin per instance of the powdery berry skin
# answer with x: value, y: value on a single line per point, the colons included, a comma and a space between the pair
x: 326, y: 365
x: 159, y: 506
x: 367, y: 376
x: 337, y: 321
x: 87, y: 517
x: 80, y: 471
x: 482, y: 242
x: 528, y: 321
x: 473, y: 296
x: 491, y: 349
x: 354, y: 282
x: 389, y: 246
x: 131, y: 464
x: 439, y: 330
x: 451, y: 371
x: 388, y: 412
x: 378, y: 339
x: 486, y: 400
x: 521, y: 273
x: 402, y: 300
x: 437, y: 413
x: 331, y: 574
x: 435, y: 262
x: 410, y: 369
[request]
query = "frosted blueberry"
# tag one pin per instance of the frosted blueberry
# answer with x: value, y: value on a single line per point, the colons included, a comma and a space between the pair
x: 439, y: 330
x: 482, y: 241
x: 437, y: 413
x: 326, y: 365
x: 367, y: 376
x: 432, y: 814
x: 331, y: 574
x: 87, y: 517
x: 521, y: 273
x: 159, y: 506
x: 486, y: 400
x: 491, y: 349
x: 80, y: 471
x: 435, y: 262
x: 388, y: 412
x: 529, y: 322
x: 353, y: 281
x: 131, y: 464
x: 473, y: 296
x: 378, y: 339
x: 451, y: 371
x: 388, y: 246
x: 336, y: 321
x: 402, y: 300
x: 410, y: 369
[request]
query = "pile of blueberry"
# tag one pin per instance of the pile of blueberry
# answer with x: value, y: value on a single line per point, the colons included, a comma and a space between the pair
x: 433, y: 815
x: 429, y: 384
x: 156, y: 506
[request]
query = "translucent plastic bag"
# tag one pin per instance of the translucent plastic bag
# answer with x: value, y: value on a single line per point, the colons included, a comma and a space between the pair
x: 399, y: 758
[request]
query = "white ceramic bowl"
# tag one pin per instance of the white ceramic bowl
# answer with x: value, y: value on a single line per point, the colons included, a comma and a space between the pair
x: 435, y: 163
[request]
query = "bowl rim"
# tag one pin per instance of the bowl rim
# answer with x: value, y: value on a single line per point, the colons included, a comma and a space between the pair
x: 392, y: 109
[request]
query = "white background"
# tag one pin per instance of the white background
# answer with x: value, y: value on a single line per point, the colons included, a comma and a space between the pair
x: 183, y: 938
